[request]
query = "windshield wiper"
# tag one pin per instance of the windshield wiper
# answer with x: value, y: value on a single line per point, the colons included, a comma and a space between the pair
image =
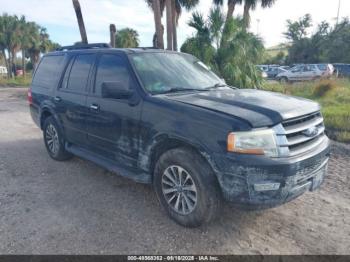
x: 217, y: 85
x: 181, y: 89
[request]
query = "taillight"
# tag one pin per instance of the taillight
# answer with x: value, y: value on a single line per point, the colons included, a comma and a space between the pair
x: 30, y: 98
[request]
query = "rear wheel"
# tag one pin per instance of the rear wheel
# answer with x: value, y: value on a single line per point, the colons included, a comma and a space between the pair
x: 54, y: 140
x: 186, y: 187
x: 284, y: 80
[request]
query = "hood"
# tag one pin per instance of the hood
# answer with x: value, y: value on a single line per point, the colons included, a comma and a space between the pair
x: 259, y: 108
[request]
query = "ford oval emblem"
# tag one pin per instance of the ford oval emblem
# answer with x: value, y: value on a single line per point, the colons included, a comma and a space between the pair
x: 311, y: 132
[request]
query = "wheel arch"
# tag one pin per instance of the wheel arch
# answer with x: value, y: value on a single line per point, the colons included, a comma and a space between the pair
x: 46, y: 112
x: 165, y: 143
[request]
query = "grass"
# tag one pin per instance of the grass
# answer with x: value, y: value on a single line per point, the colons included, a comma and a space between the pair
x: 19, y: 81
x: 334, y: 97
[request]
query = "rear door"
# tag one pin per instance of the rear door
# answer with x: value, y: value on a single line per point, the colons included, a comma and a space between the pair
x: 295, y: 73
x: 71, y: 97
x: 308, y: 72
x: 113, y: 124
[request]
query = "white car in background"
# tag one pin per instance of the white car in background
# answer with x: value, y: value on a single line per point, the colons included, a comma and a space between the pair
x: 306, y: 73
x: 3, y: 70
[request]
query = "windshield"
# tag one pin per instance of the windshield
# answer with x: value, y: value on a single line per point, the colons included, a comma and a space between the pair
x: 169, y: 72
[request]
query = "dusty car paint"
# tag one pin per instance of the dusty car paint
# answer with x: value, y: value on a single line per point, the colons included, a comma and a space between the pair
x: 132, y: 133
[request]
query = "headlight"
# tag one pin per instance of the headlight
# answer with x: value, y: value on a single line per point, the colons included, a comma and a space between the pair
x: 259, y: 142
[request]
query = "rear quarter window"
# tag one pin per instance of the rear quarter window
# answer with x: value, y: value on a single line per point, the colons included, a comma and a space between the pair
x: 322, y: 67
x: 48, y: 72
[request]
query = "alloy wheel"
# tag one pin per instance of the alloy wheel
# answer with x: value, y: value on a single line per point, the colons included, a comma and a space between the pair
x: 179, y: 190
x: 52, y: 139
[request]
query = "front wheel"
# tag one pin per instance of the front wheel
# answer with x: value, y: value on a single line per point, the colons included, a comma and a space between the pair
x: 186, y: 187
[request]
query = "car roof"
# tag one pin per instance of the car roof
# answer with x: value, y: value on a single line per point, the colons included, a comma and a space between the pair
x: 102, y: 48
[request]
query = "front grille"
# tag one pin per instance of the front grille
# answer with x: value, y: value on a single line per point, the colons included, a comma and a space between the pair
x: 301, y: 134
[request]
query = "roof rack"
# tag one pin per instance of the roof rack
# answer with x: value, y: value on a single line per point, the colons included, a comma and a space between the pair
x: 83, y: 46
x: 145, y: 47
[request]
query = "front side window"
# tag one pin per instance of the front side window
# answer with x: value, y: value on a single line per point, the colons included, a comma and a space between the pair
x: 79, y: 73
x: 111, y: 68
x: 164, y: 72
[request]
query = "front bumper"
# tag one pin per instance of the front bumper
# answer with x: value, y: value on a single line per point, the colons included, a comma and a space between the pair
x: 263, y: 182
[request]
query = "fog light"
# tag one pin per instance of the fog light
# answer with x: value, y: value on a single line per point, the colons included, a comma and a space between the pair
x: 266, y: 187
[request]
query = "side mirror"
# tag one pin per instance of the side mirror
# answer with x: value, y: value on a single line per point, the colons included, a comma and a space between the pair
x: 116, y: 90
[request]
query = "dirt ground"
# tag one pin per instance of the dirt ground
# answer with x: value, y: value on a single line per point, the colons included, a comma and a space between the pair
x: 76, y: 207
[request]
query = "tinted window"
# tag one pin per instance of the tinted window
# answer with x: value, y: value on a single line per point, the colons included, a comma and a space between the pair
x: 66, y: 74
x: 322, y: 67
x: 296, y: 69
x: 111, y: 68
x: 79, y: 73
x: 48, y: 72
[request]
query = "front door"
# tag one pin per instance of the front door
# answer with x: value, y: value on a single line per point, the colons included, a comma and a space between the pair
x: 113, y: 124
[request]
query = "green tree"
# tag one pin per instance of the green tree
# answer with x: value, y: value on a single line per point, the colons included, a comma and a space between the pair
x: 9, y: 39
x: 326, y: 45
x: 297, y: 30
x: 227, y: 48
x: 127, y: 38
x: 174, y: 9
x: 336, y: 47
x: 231, y: 5
x: 17, y: 34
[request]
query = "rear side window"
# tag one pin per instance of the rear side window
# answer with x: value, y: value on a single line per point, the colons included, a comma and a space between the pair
x: 79, y: 73
x: 322, y: 67
x: 48, y: 72
x: 111, y: 68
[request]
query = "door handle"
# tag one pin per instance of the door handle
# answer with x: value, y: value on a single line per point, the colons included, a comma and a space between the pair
x: 58, y: 99
x: 95, y: 107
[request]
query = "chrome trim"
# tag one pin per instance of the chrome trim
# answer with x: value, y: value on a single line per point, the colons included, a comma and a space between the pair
x: 290, y: 139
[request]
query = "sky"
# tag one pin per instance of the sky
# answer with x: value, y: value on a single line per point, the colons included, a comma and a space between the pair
x: 59, y: 17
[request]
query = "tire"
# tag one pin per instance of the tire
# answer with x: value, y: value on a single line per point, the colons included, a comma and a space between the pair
x: 54, y: 140
x: 189, y: 212
x: 284, y: 80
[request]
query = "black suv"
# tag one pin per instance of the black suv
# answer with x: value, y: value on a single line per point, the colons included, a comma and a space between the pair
x: 163, y: 117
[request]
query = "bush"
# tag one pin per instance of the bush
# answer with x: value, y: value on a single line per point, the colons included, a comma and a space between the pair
x: 324, y: 87
x: 18, y: 81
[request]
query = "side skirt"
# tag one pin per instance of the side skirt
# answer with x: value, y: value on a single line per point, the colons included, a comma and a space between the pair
x: 111, y: 166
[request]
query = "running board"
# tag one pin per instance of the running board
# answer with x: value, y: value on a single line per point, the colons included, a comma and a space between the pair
x: 143, y: 178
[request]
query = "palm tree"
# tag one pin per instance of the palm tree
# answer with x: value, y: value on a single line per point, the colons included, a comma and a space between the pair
x: 10, y: 40
x: 127, y: 38
x: 39, y: 43
x: 157, y: 12
x: 169, y: 23
x: 112, y: 32
x: 231, y: 5
x: 176, y: 7
x: 251, y: 5
x: 23, y: 39
x: 80, y: 19
x: 226, y: 47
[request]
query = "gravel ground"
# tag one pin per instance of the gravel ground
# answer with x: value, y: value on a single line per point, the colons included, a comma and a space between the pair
x: 76, y: 207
